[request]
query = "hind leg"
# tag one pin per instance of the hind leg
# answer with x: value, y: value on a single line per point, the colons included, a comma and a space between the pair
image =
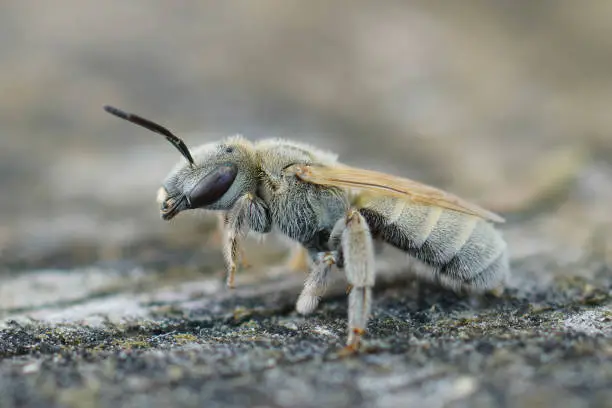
x: 357, y: 256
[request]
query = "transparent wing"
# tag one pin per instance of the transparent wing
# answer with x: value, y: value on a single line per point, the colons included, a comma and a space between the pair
x: 368, y: 180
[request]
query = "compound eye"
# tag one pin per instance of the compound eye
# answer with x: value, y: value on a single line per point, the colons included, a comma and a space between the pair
x: 212, y: 187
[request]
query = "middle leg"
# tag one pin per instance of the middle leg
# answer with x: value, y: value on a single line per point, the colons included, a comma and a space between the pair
x: 316, y: 282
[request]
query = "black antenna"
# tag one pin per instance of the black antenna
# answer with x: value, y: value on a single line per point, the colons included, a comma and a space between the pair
x: 146, y: 123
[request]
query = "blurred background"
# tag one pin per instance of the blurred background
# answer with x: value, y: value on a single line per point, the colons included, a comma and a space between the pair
x: 504, y: 103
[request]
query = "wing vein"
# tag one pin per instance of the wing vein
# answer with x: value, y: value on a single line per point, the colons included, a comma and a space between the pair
x: 345, y: 176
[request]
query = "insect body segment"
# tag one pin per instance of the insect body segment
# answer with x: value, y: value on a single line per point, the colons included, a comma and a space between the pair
x: 338, y: 214
x: 464, y: 252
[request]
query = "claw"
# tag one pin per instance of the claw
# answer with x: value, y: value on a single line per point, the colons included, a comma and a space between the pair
x: 349, y: 350
x: 355, y: 336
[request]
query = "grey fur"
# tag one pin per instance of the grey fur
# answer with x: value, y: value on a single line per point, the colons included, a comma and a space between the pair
x: 360, y: 271
x: 358, y: 251
x: 464, y: 252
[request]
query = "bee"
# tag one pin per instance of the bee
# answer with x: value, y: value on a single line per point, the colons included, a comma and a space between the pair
x: 335, y: 212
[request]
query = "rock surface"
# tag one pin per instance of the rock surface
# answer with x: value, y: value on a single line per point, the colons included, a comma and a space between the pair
x: 104, y: 305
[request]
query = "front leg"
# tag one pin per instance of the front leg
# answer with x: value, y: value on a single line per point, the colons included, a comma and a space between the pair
x: 248, y: 213
x: 219, y: 237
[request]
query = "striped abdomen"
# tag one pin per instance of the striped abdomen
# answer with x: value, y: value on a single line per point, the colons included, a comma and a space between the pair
x: 464, y: 251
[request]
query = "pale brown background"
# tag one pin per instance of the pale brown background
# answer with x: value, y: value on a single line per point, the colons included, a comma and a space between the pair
x: 470, y: 96
x: 507, y: 103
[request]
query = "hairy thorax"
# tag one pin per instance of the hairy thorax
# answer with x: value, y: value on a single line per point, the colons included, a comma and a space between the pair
x: 302, y: 211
